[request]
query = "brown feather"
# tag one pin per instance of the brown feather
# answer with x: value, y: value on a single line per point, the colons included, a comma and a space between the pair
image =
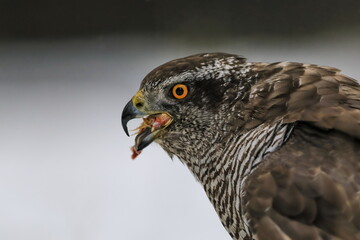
x: 316, y: 194
x: 320, y: 95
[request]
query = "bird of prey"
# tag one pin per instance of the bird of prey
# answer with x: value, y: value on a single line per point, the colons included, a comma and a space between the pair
x: 276, y: 146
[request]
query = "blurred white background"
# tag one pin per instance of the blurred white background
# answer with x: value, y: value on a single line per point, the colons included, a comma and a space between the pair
x: 65, y: 166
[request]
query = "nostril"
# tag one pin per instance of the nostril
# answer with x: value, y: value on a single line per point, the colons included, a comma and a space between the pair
x: 139, y: 105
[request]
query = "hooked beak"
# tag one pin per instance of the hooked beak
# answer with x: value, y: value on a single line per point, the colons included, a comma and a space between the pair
x: 130, y: 112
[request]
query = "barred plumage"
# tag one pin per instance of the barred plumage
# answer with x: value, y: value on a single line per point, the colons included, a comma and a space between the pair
x: 275, y: 146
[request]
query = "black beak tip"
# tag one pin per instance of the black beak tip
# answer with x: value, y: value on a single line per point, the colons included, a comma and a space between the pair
x: 129, y: 112
x: 126, y: 116
x: 125, y: 128
x: 124, y: 120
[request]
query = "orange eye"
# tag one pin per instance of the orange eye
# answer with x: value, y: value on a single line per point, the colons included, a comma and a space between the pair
x: 180, y: 91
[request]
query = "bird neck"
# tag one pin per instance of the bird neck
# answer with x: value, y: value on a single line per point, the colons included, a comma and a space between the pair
x: 239, y: 154
x: 223, y: 169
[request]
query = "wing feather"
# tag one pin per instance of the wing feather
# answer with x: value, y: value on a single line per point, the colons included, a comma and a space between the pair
x: 302, y: 92
x: 308, y: 189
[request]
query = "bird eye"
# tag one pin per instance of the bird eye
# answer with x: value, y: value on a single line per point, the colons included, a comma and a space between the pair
x: 180, y: 91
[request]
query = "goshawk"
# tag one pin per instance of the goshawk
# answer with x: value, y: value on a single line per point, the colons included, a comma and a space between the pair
x: 276, y: 146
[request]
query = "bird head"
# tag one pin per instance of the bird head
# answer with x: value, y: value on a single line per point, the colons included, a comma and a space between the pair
x: 183, y: 102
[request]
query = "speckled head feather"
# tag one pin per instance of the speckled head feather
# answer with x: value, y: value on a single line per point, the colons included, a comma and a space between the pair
x: 275, y: 145
x: 199, y: 64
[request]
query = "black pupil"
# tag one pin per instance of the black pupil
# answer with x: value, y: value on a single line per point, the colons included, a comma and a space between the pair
x: 179, y: 91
